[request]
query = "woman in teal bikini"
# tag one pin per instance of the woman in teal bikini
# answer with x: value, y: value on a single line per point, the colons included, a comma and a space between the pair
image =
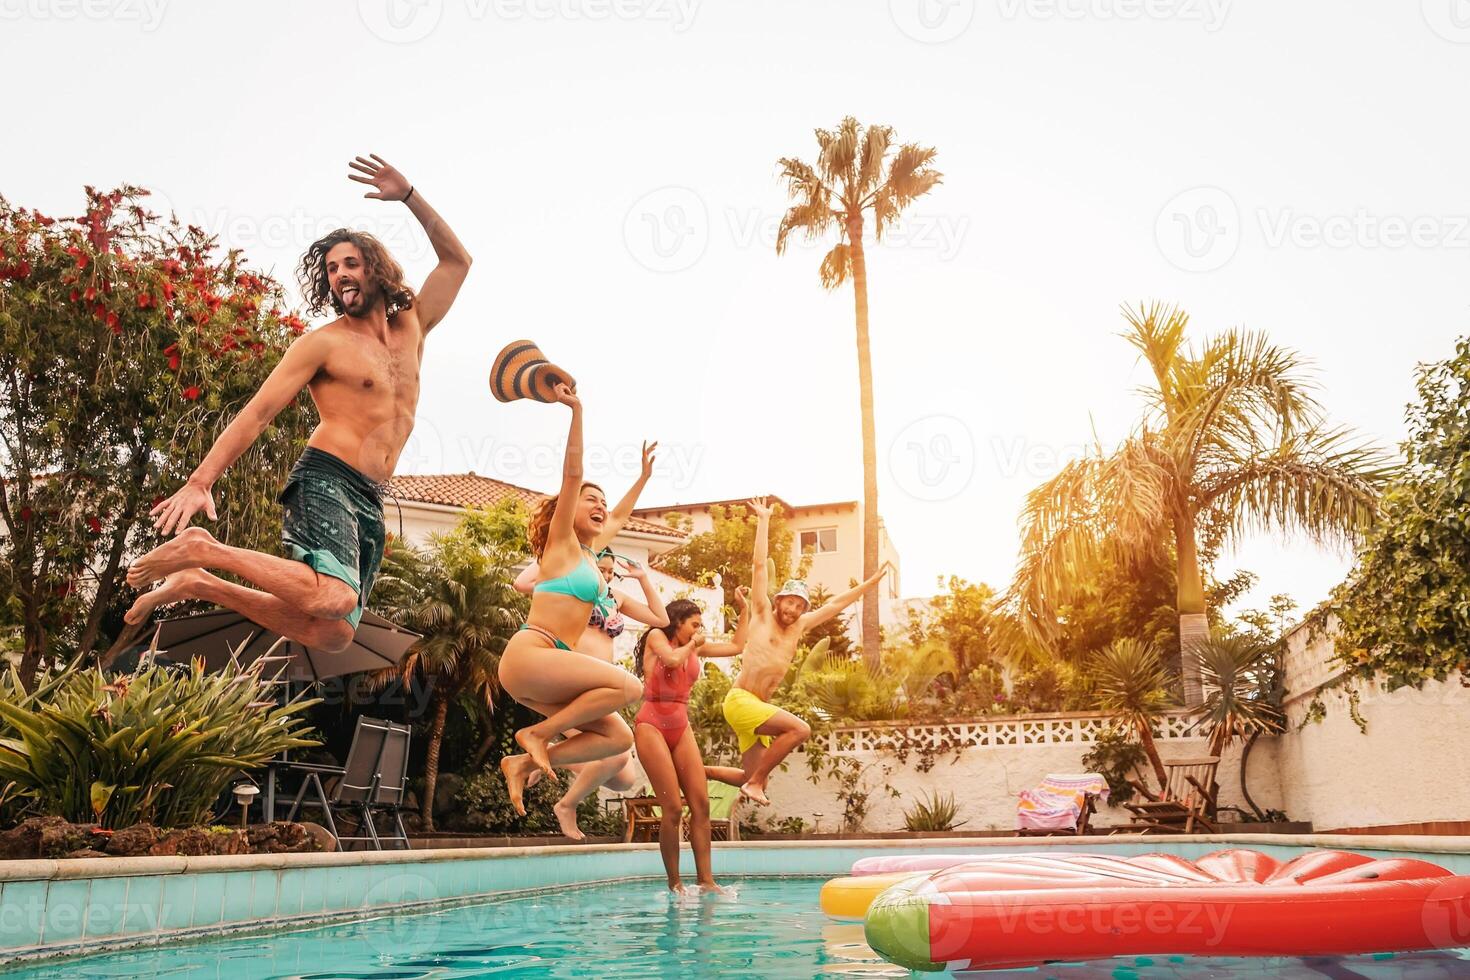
x: 540, y: 667
x: 617, y: 772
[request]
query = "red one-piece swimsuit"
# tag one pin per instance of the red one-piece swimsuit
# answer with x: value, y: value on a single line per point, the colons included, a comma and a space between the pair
x: 666, y: 698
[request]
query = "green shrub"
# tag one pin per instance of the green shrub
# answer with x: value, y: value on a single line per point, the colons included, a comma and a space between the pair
x: 485, y: 807
x: 156, y: 747
x: 1115, y: 756
x: 931, y: 815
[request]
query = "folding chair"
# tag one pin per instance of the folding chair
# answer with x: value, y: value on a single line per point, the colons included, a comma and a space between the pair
x: 374, y: 778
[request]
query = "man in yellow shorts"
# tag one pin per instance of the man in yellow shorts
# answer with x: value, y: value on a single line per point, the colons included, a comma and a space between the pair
x: 768, y: 734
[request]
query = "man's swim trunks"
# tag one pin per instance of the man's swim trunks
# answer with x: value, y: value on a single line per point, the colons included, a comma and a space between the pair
x: 334, y: 522
x: 745, y: 712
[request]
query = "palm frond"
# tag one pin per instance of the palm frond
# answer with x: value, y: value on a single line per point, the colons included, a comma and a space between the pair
x: 1318, y: 482
x: 1157, y: 331
x: 836, y: 266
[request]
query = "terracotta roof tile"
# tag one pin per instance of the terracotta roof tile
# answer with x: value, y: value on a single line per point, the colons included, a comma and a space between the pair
x: 473, y: 490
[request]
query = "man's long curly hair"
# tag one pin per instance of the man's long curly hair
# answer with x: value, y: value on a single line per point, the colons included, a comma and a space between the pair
x: 540, y: 525
x: 380, y: 271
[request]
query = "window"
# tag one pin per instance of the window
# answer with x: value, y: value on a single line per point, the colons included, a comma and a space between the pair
x: 819, y: 541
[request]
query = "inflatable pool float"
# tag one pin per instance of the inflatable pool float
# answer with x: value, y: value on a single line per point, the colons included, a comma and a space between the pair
x: 1027, y: 909
x: 850, y: 898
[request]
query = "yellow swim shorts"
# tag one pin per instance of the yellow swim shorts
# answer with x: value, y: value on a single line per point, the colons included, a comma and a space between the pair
x: 745, y: 712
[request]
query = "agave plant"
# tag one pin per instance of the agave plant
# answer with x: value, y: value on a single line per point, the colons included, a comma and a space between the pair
x: 159, y: 746
x: 1131, y: 683
x: 934, y: 814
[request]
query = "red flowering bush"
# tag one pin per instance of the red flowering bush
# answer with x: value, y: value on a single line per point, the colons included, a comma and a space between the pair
x: 126, y: 344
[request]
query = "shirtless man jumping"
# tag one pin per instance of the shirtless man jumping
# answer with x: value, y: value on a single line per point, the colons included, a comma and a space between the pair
x: 363, y: 373
x: 767, y: 733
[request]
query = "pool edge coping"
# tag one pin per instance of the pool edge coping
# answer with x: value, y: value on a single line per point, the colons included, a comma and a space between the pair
x: 63, y: 869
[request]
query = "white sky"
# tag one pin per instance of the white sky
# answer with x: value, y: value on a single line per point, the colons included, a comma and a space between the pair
x: 1095, y: 152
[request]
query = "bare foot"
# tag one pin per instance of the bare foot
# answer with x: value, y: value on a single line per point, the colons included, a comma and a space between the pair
x: 756, y: 793
x: 514, y: 768
x: 189, y: 549
x: 178, y: 586
x: 566, y: 816
x: 536, y: 748
x: 710, y: 888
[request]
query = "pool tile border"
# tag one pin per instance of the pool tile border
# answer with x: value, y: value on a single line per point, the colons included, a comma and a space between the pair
x: 53, y: 909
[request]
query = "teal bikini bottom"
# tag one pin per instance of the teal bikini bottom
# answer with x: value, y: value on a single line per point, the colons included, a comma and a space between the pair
x: 548, y: 634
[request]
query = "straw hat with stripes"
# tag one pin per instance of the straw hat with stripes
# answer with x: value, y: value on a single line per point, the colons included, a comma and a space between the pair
x: 522, y: 371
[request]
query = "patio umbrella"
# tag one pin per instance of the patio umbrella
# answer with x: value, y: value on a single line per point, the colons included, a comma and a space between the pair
x: 213, y: 635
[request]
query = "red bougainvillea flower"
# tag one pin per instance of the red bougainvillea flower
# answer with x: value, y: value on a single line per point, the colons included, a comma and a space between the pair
x: 192, y: 392
x: 79, y: 255
x: 95, y: 525
x: 296, y: 325
x: 76, y: 295
x: 91, y: 293
x: 145, y: 300
x: 113, y: 324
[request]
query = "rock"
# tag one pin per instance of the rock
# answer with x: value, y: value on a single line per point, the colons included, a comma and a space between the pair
x: 85, y: 852
x: 191, y: 842
x: 225, y: 840
x: 282, y: 838
x: 323, y: 837
x: 22, y: 842
x: 59, y: 837
x: 133, y: 841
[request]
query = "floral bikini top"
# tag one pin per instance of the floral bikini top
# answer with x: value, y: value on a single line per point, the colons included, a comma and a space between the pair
x: 605, y: 616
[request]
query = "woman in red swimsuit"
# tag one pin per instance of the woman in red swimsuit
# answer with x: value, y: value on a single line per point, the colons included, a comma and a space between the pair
x: 668, y: 660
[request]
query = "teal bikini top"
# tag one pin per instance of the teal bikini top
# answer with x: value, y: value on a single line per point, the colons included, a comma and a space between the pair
x: 584, y: 582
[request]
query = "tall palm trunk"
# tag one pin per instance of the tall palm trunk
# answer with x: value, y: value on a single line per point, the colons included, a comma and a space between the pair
x: 872, y: 653
x: 1194, y: 625
x: 1146, y: 739
x: 431, y: 763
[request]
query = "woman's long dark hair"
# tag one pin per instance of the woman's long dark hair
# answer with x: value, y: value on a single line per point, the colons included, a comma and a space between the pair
x: 679, y: 611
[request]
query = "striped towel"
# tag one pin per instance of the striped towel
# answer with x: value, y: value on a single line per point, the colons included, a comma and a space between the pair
x: 1057, y: 802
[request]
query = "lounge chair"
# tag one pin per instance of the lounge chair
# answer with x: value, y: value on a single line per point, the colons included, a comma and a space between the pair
x: 375, y: 778
x: 1187, y: 803
x: 643, y: 816
x: 1062, y: 804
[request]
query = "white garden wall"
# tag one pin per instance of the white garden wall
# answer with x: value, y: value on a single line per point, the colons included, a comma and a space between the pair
x: 1003, y: 756
x: 1412, y: 766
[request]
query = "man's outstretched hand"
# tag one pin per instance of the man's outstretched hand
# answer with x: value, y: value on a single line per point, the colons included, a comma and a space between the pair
x: 760, y: 507
x: 175, y: 513
x: 391, y: 185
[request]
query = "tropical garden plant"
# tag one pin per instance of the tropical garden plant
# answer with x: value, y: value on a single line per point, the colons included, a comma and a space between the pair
x: 1130, y: 683
x: 1243, y: 683
x: 458, y: 594
x: 1232, y: 441
x: 1404, y: 612
x: 857, y: 172
x: 126, y: 343
x: 932, y: 814
x: 157, y: 747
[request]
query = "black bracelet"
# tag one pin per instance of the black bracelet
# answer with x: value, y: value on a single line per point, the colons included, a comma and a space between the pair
x: 408, y: 195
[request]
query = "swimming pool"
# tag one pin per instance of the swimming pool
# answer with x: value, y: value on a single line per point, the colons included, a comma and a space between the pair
x: 771, y: 927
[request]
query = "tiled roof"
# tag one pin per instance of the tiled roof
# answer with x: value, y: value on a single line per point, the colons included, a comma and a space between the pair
x: 705, y: 505
x: 473, y: 490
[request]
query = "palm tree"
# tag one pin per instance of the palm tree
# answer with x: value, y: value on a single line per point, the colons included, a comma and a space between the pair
x: 848, y: 179
x: 1232, y: 442
x: 1242, y: 682
x: 464, y: 605
x: 1131, y: 684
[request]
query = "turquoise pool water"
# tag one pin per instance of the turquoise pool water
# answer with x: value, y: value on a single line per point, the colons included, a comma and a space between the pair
x: 771, y: 928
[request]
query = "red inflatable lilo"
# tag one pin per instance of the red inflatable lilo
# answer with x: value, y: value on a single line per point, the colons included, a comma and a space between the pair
x: 1027, y: 909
